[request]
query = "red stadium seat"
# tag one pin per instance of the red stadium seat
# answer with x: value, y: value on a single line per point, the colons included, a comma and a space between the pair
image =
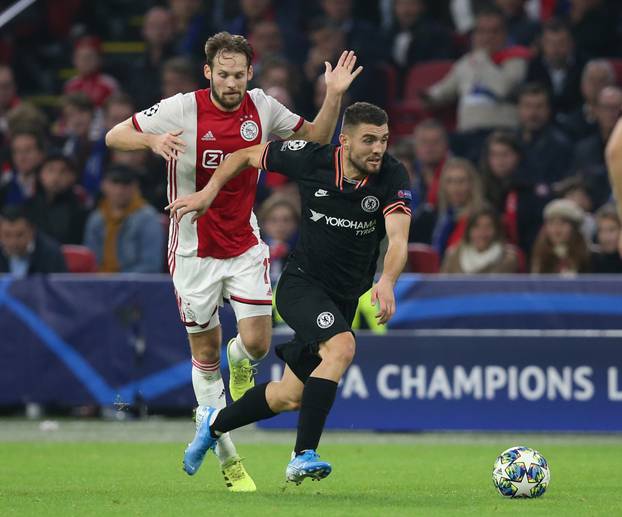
x: 616, y: 63
x: 420, y: 77
x: 423, y: 258
x: 79, y: 259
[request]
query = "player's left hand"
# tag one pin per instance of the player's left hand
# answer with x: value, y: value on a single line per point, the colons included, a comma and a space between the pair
x: 183, y: 205
x: 338, y: 80
x: 382, y: 294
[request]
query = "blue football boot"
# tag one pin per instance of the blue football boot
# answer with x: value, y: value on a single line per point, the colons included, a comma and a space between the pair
x: 203, y: 441
x: 306, y: 465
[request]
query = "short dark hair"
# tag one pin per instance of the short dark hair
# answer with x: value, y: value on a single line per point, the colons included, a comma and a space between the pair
x: 504, y: 137
x: 12, y: 213
x: 534, y: 88
x: 38, y: 136
x: 79, y: 100
x: 56, y: 156
x: 364, y: 113
x: 490, y: 10
x: 556, y: 25
x: 484, y: 211
x: 226, y: 42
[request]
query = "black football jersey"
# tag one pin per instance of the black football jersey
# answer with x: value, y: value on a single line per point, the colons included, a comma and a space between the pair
x: 342, y: 221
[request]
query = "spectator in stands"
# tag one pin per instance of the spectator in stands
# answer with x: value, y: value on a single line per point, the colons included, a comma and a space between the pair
x: 522, y: 30
x: 158, y: 35
x: 23, y: 249
x: 359, y: 34
x: 192, y: 27
x: 558, y: 66
x: 577, y: 189
x: 17, y: 183
x: 278, y: 218
x: 606, y: 256
x: 178, y: 76
x: 547, y: 151
x: 327, y: 43
x: 484, y: 80
x: 560, y: 247
x: 582, y: 122
x: 125, y: 232
x: 267, y: 43
x: 431, y: 152
x: 8, y: 99
x: 482, y: 249
x: 460, y: 193
x: 119, y: 107
x: 58, y: 207
x: 510, y: 191
x: 84, y: 141
x: 413, y: 37
x: 89, y: 79
x: 26, y: 117
x: 589, y: 153
x: 252, y: 12
x: 593, y: 27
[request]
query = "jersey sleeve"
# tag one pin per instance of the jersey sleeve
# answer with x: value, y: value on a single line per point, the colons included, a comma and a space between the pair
x: 399, y: 195
x: 162, y: 117
x: 281, y: 121
x: 293, y: 158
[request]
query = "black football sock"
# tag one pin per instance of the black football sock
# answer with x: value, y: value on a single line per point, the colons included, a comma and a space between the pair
x: 252, y: 407
x: 317, y: 399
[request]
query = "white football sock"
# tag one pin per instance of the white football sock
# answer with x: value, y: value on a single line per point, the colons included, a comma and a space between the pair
x: 210, y: 391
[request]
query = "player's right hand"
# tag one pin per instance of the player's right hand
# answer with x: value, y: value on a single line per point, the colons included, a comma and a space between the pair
x: 186, y: 204
x: 168, y: 145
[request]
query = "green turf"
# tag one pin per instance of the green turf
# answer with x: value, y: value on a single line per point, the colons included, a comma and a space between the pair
x: 376, y: 480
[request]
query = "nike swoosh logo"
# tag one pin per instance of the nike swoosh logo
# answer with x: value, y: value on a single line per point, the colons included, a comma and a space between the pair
x: 321, y: 194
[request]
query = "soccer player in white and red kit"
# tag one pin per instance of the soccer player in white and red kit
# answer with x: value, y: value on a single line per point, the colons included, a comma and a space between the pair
x: 221, y: 256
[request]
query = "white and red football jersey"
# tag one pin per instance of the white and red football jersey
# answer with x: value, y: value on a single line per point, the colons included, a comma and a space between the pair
x: 229, y: 227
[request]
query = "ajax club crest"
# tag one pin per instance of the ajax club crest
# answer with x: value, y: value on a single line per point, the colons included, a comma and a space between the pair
x: 249, y: 130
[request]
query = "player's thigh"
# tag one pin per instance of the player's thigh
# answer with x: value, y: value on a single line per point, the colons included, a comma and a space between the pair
x: 341, y: 347
x: 247, y: 285
x: 199, y: 289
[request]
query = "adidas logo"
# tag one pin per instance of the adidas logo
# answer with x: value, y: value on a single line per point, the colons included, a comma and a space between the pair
x: 208, y: 136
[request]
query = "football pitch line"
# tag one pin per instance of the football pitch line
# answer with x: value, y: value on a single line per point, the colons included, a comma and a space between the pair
x: 159, y: 430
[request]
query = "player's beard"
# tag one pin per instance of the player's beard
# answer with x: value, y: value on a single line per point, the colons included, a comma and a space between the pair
x: 363, y: 166
x: 228, y: 102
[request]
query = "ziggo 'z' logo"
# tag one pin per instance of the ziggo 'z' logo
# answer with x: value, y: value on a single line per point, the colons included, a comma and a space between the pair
x: 212, y: 158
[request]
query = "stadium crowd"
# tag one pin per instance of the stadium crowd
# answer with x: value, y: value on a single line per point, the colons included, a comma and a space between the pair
x: 499, y: 110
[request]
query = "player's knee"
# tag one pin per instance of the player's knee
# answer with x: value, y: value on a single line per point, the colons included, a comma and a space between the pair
x: 282, y: 399
x: 342, y: 349
x: 257, y: 347
x: 291, y: 403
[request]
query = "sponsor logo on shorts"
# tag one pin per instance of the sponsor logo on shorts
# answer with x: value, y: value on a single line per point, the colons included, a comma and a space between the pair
x: 370, y: 204
x: 249, y: 130
x: 325, y: 320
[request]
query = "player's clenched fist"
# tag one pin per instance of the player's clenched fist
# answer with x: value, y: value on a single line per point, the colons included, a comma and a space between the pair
x: 197, y: 202
x: 168, y: 145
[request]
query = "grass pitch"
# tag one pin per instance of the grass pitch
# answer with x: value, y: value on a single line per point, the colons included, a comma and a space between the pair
x: 368, y: 479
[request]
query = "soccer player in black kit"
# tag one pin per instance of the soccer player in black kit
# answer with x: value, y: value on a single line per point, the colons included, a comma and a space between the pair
x: 352, y: 196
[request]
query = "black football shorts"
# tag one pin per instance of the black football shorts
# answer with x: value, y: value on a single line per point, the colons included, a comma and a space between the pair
x: 313, y: 314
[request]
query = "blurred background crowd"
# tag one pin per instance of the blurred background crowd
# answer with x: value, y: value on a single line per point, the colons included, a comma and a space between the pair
x: 499, y: 110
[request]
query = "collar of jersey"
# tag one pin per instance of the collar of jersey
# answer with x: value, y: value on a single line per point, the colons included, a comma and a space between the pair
x: 339, y: 169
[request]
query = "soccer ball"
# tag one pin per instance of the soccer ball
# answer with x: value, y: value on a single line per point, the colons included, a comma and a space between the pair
x: 521, y: 472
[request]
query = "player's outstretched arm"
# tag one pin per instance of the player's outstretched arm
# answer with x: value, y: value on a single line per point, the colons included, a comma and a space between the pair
x: 397, y: 225
x: 613, y: 153
x: 200, y: 201
x: 124, y: 137
x: 338, y: 81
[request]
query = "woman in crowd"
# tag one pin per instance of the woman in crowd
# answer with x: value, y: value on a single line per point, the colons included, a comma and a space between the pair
x: 460, y: 194
x: 606, y: 257
x: 483, y: 248
x: 560, y: 247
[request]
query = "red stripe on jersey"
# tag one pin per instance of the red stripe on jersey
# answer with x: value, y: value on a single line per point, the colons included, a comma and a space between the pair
x: 135, y: 123
x: 393, y: 205
x: 298, y: 124
x: 225, y: 231
x: 361, y: 183
x: 250, y: 302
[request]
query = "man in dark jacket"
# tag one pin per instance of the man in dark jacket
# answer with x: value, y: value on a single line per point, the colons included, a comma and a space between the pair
x: 24, y: 250
x: 58, y: 207
x: 558, y: 67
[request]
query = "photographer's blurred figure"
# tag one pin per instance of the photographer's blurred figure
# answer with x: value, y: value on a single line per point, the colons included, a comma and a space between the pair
x: 23, y: 249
